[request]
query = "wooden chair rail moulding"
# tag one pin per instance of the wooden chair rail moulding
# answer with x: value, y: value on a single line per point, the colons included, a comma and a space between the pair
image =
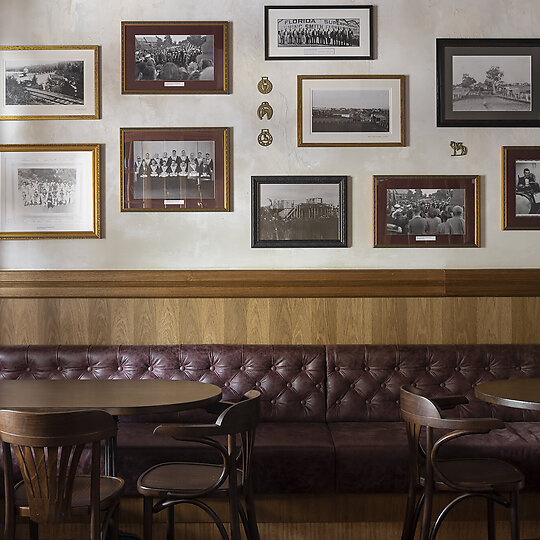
x: 269, y: 283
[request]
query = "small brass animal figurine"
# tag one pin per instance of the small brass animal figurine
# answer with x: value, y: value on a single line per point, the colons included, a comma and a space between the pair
x: 459, y: 148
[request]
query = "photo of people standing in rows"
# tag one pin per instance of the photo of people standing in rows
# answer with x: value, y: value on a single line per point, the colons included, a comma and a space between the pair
x: 173, y: 170
x: 425, y: 211
x: 174, y: 58
x: 318, y: 32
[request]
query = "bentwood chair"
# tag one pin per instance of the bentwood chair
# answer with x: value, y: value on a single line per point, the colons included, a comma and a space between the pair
x: 471, y: 477
x: 48, y: 447
x: 188, y: 482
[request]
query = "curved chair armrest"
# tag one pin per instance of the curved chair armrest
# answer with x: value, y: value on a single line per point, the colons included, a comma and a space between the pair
x: 189, y: 431
x: 219, y: 407
x: 449, y: 402
x: 473, y: 425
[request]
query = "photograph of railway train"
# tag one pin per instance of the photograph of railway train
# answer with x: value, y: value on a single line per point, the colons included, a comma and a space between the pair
x: 44, y: 83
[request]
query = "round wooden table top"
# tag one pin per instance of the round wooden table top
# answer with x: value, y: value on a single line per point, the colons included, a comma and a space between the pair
x: 116, y: 396
x: 518, y: 393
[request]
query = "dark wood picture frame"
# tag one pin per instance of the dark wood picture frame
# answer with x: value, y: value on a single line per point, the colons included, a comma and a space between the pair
x: 316, y: 215
x: 318, y: 45
x: 521, y: 190
x: 203, y: 186
x: 492, y: 102
x: 391, y: 206
x: 173, y: 82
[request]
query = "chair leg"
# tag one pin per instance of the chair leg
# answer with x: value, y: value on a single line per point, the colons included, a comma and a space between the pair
x: 409, y: 514
x: 33, y: 530
x: 426, y: 517
x: 147, y: 518
x: 170, y: 523
x: 514, y: 515
x: 491, y: 518
x: 114, y: 523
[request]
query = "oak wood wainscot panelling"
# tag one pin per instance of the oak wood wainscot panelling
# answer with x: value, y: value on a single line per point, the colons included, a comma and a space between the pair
x: 270, y: 306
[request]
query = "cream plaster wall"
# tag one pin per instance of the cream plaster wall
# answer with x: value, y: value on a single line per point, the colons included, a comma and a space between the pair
x: 405, y: 44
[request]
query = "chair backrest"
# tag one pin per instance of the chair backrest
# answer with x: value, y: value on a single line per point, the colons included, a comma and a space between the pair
x: 48, y: 447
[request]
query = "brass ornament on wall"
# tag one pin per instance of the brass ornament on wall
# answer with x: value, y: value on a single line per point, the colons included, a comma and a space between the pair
x: 459, y: 148
x: 265, y: 138
x: 265, y: 85
x: 265, y: 109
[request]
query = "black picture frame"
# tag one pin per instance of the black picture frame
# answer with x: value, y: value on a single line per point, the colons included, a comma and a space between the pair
x: 286, y: 222
x: 319, y: 46
x: 493, y: 102
x: 521, y: 191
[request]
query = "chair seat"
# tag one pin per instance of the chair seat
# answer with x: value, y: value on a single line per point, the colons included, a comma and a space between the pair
x: 182, y: 478
x: 110, y: 490
x: 487, y: 474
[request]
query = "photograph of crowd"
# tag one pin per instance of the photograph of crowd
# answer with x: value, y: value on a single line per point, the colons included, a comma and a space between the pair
x: 44, y: 83
x: 173, y: 170
x: 318, y: 32
x: 491, y: 83
x: 174, y: 57
x: 46, y: 188
x: 425, y: 211
x: 350, y: 110
x: 296, y: 211
x: 527, y: 188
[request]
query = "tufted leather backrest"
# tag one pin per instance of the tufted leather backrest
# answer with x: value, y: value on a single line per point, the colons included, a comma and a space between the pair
x: 364, y: 380
x: 290, y: 377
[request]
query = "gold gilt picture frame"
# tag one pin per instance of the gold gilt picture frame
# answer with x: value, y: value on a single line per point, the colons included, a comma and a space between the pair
x: 176, y: 57
x: 175, y: 169
x: 50, y: 191
x: 53, y: 82
x: 351, y: 110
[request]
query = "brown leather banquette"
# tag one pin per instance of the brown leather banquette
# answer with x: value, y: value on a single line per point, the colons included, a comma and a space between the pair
x: 330, y: 418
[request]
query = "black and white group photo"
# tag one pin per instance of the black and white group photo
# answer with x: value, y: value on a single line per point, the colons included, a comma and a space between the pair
x: 350, y: 110
x: 425, y: 211
x: 173, y: 170
x: 527, y: 188
x: 299, y: 212
x: 174, y: 57
x: 44, y: 83
x: 491, y: 83
x: 46, y: 189
x: 318, y: 32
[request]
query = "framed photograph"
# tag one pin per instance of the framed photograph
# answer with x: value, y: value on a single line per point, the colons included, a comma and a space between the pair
x: 175, y: 57
x: 426, y: 211
x: 50, y: 191
x: 488, y: 82
x: 175, y: 169
x: 298, y: 211
x: 318, y: 32
x: 521, y: 187
x: 49, y: 82
x: 351, y: 110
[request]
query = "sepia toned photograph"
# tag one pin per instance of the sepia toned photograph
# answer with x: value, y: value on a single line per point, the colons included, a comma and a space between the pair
x: 491, y: 83
x: 488, y: 82
x: 424, y: 211
x: 175, y: 169
x: 318, y: 32
x: 521, y: 187
x: 175, y: 57
x: 351, y: 110
x: 299, y: 211
x: 49, y: 82
x: 50, y: 191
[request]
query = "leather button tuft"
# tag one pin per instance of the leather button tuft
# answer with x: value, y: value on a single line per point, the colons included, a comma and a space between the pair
x: 338, y: 401
x: 396, y: 368
x: 227, y: 383
x: 88, y: 368
x: 442, y: 385
x: 119, y: 368
x: 212, y: 368
x: 289, y: 385
x: 273, y: 402
x: 59, y: 368
x: 27, y: 369
x: 486, y: 368
x: 352, y: 385
x: 242, y: 368
x: 150, y: 368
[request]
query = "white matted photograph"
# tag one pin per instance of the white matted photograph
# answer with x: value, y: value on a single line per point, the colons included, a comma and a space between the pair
x: 57, y: 82
x: 527, y: 188
x: 318, y: 32
x: 351, y: 110
x: 49, y: 191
